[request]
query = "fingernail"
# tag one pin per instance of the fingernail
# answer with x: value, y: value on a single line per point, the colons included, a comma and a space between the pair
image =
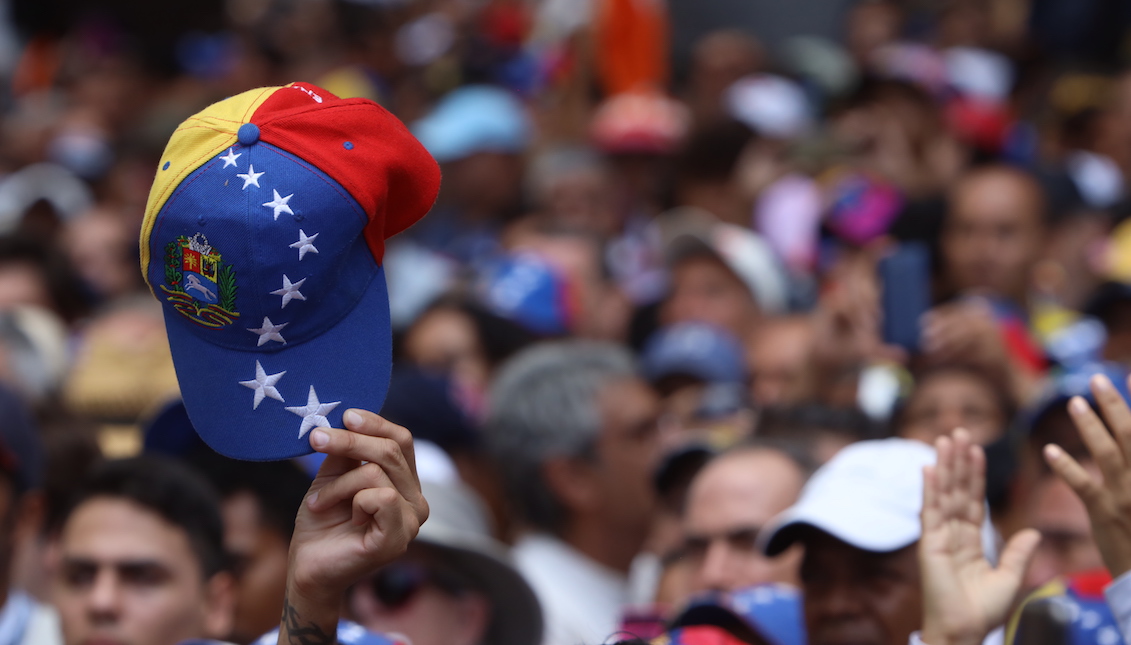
x: 319, y: 439
x: 312, y: 500
x: 1053, y: 452
x: 1101, y: 382
x: 1078, y: 405
x: 351, y: 418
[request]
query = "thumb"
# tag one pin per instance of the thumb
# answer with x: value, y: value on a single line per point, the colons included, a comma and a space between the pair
x: 1017, y: 554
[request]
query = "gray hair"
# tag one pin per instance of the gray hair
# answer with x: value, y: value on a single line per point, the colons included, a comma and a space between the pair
x: 543, y: 404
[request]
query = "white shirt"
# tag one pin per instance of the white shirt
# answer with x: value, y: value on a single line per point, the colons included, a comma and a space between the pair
x: 23, y: 621
x: 581, y: 599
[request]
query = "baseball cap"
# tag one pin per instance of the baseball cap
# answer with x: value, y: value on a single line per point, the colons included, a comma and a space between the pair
x: 528, y: 290
x: 869, y: 496
x: 639, y: 122
x: 772, y: 611
x: 773, y: 106
x: 690, y: 232
x: 263, y: 239
x: 1077, y: 382
x: 694, y: 349
x: 473, y: 119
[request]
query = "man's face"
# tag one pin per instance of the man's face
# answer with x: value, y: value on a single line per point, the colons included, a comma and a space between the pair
x: 704, y: 290
x: 1066, y: 545
x: 260, y: 557
x: 727, y: 505
x: 948, y: 400
x: 993, y: 234
x: 627, y: 452
x: 778, y: 355
x: 856, y: 597
x: 128, y: 577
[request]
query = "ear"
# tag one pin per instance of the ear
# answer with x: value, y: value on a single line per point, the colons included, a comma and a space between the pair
x: 219, y: 605
x: 573, y: 480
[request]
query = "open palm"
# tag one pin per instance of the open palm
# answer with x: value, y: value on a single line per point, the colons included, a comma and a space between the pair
x: 964, y: 596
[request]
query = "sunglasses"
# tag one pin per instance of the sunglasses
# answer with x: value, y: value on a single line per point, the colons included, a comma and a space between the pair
x: 395, y: 584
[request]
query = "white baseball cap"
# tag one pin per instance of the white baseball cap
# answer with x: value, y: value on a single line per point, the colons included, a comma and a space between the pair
x: 869, y: 495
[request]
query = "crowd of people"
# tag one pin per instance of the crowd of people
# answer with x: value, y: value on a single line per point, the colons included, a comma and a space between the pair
x: 681, y: 352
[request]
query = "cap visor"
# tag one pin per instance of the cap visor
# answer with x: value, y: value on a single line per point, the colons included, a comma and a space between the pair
x: 348, y: 365
x: 864, y: 526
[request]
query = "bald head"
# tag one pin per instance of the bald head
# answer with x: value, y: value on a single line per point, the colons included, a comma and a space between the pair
x: 729, y: 502
x: 994, y: 232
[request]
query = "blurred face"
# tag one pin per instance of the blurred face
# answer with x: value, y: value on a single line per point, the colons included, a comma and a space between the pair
x: 704, y: 290
x: 627, y: 453
x: 98, y: 246
x: 777, y: 356
x: 23, y: 284
x: 259, y: 554
x: 728, y: 504
x: 444, y: 341
x: 128, y: 577
x: 870, y: 26
x: 949, y: 400
x: 486, y: 183
x: 857, y: 597
x: 1066, y: 534
x: 417, y: 597
x: 581, y: 200
x: 993, y: 234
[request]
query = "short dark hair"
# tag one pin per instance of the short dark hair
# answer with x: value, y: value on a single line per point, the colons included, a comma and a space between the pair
x: 168, y: 488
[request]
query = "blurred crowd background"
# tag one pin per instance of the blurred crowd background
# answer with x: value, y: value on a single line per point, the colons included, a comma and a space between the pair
x: 799, y: 224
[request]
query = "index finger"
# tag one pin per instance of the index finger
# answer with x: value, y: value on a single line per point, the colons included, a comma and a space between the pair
x: 374, y: 425
x: 380, y: 445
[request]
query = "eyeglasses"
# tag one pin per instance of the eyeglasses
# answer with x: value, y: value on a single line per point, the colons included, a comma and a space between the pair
x: 395, y: 584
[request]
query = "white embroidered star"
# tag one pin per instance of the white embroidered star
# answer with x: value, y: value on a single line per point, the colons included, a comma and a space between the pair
x: 290, y: 291
x: 313, y: 413
x: 250, y: 178
x: 304, y: 244
x: 230, y: 158
x: 268, y: 332
x: 264, y: 385
x: 280, y: 204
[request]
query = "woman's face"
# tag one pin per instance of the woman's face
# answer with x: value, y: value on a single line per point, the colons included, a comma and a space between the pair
x: 444, y: 340
x: 944, y: 401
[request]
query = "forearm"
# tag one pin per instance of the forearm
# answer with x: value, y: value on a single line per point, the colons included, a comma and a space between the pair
x: 309, y: 619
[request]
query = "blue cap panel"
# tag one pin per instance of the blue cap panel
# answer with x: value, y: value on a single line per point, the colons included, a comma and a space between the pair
x: 346, y: 367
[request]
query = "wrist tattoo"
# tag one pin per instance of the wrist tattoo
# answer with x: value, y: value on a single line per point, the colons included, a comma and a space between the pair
x: 299, y: 632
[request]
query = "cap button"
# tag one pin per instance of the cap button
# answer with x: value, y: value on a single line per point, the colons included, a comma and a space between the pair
x: 248, y: 134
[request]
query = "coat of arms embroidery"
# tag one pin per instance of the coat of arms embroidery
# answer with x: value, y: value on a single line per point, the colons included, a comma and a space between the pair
x: 200, y: 286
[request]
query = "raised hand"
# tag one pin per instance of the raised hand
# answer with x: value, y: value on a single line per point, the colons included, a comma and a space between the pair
x: 361, y: 512
x: 964, y: 596
x: 1108, y: 499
